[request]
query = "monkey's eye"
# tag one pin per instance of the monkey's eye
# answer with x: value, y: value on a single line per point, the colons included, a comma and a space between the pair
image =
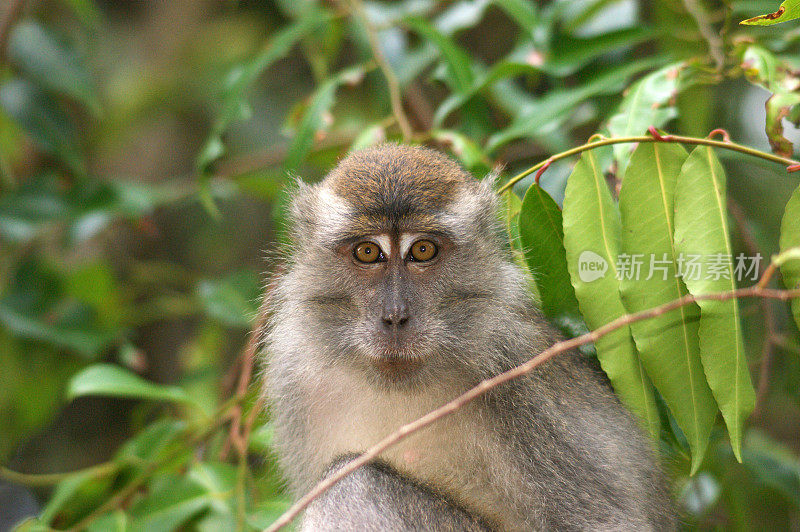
x: 423, y: 250
x: 367, y: 252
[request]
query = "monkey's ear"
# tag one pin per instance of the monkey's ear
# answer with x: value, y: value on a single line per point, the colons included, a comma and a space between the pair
x: 486, y: 190
x: 303, y: 208
x: 493, y: 176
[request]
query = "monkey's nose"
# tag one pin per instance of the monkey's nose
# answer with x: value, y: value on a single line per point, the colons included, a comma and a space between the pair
x: 395, y: 319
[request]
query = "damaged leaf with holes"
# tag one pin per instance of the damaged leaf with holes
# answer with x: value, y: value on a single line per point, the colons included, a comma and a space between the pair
x: 763, y: 68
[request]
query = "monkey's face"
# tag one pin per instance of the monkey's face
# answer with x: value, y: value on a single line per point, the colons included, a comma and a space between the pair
x: 399, y: 305
x: 396, y: 275
x: 399, y: 266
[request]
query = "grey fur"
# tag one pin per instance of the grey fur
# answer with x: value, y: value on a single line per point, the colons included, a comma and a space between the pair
x: 376, y: 498
x: 551, y: 451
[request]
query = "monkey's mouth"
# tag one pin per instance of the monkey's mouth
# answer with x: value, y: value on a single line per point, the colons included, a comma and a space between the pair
x: 397, y: 366
x: 395, y: 359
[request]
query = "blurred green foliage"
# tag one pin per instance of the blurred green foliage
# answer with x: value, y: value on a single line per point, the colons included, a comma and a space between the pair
x: 145, y: 153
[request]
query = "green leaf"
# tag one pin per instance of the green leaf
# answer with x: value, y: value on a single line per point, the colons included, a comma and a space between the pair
x: 64, y: 492
x: 114, y: 381
x: 215, y: 521
x: 466, y: 151
x: 502, y: 70
x: 264, y: 184
x: 370, y: 136
x: 459, y: 65
x: 761, y: 67
x: 261, y: 439
x: 668, y: 344
x: 569, y: 54
x: 43, y: 201
x: 169, y: 506
x: 788, y: 10
x: 790, y: 238
x: 268, y: 512
x: 87, y: 11
x: 232, y: 300
x: 150, y: 443
x: 592, y: 243
x: 773, y: 464
x: 30, y: 399
x: 522, y: 11
x: 568, y: 57
x: 649, y: 102
x: 542, y: 238
x: 94, y: 284
x: 219, y: 480
x: 31, y: 524
x: 313, y: 119
x: 116, y: 521
x: 461, y: 15
x: 87, y: 342
x: 76, y: 496
x: 414, y: 62
x: 43, y: 120
x: 38, y: 304
x: 242, y: 76
x: 51, y: 63
x: 701, y: 228
x: 779, y: 106
x: 512, y: 206
x: 546, y: 114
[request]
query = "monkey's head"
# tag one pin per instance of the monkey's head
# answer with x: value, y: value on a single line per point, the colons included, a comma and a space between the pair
x: 399, y: 268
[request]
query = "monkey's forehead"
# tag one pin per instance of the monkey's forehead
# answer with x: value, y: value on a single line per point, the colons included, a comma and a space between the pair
x: 395, y: 181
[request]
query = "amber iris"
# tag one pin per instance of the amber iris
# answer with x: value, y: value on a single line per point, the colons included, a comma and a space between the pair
x: 367, y: 252
x: 423, y: 250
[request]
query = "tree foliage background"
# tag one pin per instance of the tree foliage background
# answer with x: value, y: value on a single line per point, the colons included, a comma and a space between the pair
x: 145, y: 149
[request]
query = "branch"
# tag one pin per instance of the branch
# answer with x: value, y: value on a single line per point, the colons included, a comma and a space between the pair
x: 48, y: 479
x: 791, y: 165
x: 420, y: 107
x: 395, y: 96
x: 239, y: 434
x: 484, y: 386
x: 716, y: 47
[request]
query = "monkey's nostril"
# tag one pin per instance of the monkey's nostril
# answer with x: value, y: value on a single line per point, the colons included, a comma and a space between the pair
x: 393, y: 322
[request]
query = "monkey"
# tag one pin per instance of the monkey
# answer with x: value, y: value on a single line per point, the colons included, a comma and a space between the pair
x: 399, y: 293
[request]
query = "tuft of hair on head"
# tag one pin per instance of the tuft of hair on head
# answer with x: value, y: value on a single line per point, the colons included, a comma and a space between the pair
x: 393, y: 187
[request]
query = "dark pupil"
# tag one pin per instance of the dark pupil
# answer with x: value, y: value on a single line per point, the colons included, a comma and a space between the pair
x: 367, y: 250
x: 422, y: 248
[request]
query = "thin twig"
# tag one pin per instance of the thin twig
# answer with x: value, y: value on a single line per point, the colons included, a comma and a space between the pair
x: 716, y: 48
x: 236, y: 436
x: 395, y: 96
x: 486, y: 385
x: 48, y: 479
x: 420, y: 105
x: 237, y: 166
x: 789, y: 163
